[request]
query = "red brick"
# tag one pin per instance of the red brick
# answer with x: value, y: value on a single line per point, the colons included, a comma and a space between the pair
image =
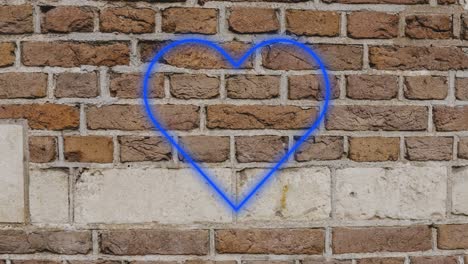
x: 381, y: 261
x: 43, y: 116
x: 381, y: 239
x: 259, y: 117
x: 383, y: 26
x: 372, y: 87
x: 96, y: 149
x: 190, y: 20
x: 42, y: 149
x: 463, y: 148
x: 429, y: 148
x: 399, y: 2
x: 79, y: 85
x: 16, y: 19
x: 452, y: 236
x: 23, y: 85
x: 461, y: 86
x: 364, y: 149
x: 194, y: 86
x: 375, y: 118
x: 311, y: 87
x: 313, y: 23
x: 320, y: 148
x: 252, y: 86
x: 206, y: 148
x: 151, y: 242
x: 429, y: 26
x: 66, y: 19
x: 127, y: 85
x: 434, y: 260
x: 127, y: 20
x: 260, y: 148
x: 73, y: 54
x: 270, y: 241
x: 7, y: 54
x: 447, y: 118
x: 426, y: 87
x: 134, y: 148
x: 253, y: 20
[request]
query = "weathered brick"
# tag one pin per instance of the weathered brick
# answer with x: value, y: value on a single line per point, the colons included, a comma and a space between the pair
x: 148, y: 242
x: 429, y: 26
x: 426, y: 87
x: 313, y: 23
x: 57, y: 242
x: 434, y: 260
x: 73, y: 54
x: 260, y: 148
x: 459, y: 184
x: 42, y: 149
x: 461, y: 86
x: 372, y: 87
x: 199, y: 261
x: 378, y: 239
x: 153, y: 262
x: 16, y: 19
x: 417, y: 58
x: 400, y: 2
x: 447, y: 118
x: 253, y: 20
x: 194, y: 86
x: 452, y: 236
x: 88, y: 149
x: 102, y: 261
x: 336, y: 57
x: 381, y: 261
x: 364, y: 149
x: 311, y: 87
x: 446, y: 2
x: 43, y: 116
x: 35, y: 261
x: 429, y: 148
x: 23, y: 85
x: 267, y: 262
x: 374, y: 118
x: 259, y: 117
x: 463, y: 148
x: 252, y: 86
x: 127, y: 85
x: 134, y: 148
x: 190, y: 20
x: 127, y: 20
x: 320, y: 148
x: 7, y: 54
x: 270, y: 241
x: 464, y: 30
x: 383, y: 26
x: 80, y: 85
x: 325, y: 261
x: 132, y: 117
x: 148, y: 49
x: 206, y: 148
x: 65, y: 19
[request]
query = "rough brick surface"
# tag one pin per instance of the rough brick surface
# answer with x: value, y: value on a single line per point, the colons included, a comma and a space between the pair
x: 461, y: 86
x: 127, y: 20
x: 321, y: 148
x: 82, y: 85
x: 207, y: 148
x: 401, y: 2
x: 383, y: 25
x: 133, y: 148
x: 23, y: 85
x: 313, y: 23
x: 127, y: 85
x: 435, y: 260
x: 190, y: 86
x: 452, y: 236
x: 429, y: 26
x: 374, y: 148
x: 425, y: 87
x: 371, y: 87
x: 429, y: 148
x: 65, y: 19
x: 88, y: 149
x: 381, y: 261
x: 260, y: 148
x: 459, y: 194
x: 253, y: 20
x: 463, y: 148
x: 16, y: 19
x: 7, y: 54
x: 448, y: 118
x: 42, y: 149
x: 311, y: 87
x: 252, y: 87
x: 190, y: 20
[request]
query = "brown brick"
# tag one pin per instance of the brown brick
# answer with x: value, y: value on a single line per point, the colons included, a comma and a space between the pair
x: 417, y: 58
x: 190, y: 20
x: 461, y: 86
x: 42, y: 149
x: 452, y: 236
x: 23, y: 85
x: 35, y: 261
x: 252, y: 86
x: 133, y: 117
x: 383, y: 25
x: 134, y: 148
x: 399, y: 2
x: 7, y: 54
x: 429, y: 26
x: 194, y: 86
x: 429, y: 148
x: 375, y: 118
x: 320, y: 148
x: 267, y: 262
x: 372, y: 87
x: 313, y: 23
x: 206, y: 148
x: 259, y: 117
x: 446, y: 2
x: 99, y: 261
x: 73, y: 54
x: 153, y: 262
x: 311, y: 87
x: 463, y: 148
x: 253, y: 20
x: 381, y: 261
x: 426, y: 87
x: 150, y: 242
x: 127, y: 85
x: 325, y: 261
x: 260, y: 148
x: 364, y: 149
x: 148, y: 49
x: 127, y: 20
x: 80, y: 85
x: 435, y: 260
x: 43, y: 116
x: 270, y: 241
x: 381, y: 239
x: 199, y: 261
x: 96, y: 149
x: 16, y: 19
x: 65, y: 19
x: 464, y: 29
x: 335, y: 57
x: 447, y: 118
x: 56, y: 242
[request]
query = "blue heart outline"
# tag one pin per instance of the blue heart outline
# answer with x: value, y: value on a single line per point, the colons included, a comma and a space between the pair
x: 236, y: 64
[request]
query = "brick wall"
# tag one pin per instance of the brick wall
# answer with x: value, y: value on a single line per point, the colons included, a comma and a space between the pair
x: 383, y: 181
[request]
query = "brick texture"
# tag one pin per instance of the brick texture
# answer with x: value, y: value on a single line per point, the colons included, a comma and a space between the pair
x: 16, y: 19
x: 23, y: 85
x: 260, y: 148
x: 66, y: 19
x: 82, y: 85
x: 374, y: 149
x: 134, y: 148
x: 383, y: 25
x: 429, y: 148
x: 7, y: 54
x: 371, y: 87
x: 189, y: 20
x: 88, y: 149
x: 453, y: 236
x: 429, y: 26
x: 426, y: 87
x: 313, y: 23
x: 127, y: 20
x: 42, y: 149
x: 253, y: 20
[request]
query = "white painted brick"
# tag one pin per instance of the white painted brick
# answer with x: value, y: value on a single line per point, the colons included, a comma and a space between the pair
x: 460, y: 191
x: 11, y: 173
x: 48, y: 196
x: 293, y: 194
x: 407, y: 192
x: 149, y: 195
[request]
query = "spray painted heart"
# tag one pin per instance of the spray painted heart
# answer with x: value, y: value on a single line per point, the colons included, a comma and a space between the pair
x: 235, y: 63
